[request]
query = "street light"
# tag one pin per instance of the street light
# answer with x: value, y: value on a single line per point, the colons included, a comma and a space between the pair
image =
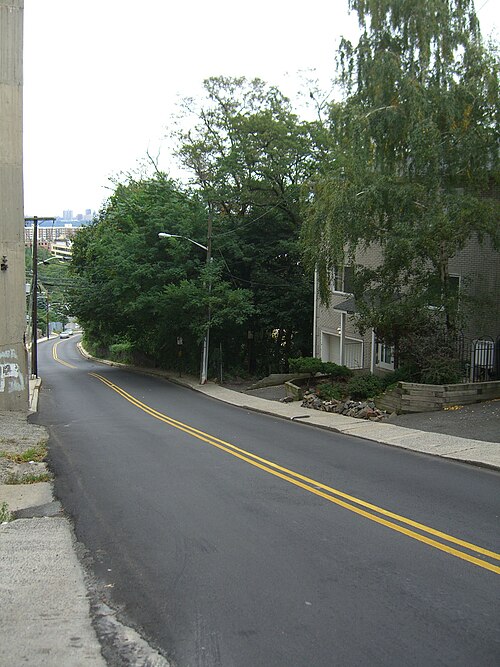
x: 49, y: 259
x: 207, y: 248
x: 164, y: 235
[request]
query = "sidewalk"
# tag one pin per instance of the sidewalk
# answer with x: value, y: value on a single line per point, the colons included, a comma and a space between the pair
x: 477, y: 452
x: 45, y: 610
x: 45, y: 596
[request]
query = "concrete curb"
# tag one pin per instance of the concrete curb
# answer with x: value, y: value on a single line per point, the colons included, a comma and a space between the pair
x: 464, y: 450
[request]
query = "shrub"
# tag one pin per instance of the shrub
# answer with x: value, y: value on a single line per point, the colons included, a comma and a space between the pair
x: 364, y: 386
x: 121, y: 352
x: 336, y: 372
x: 402, y: 374
x: 93, y: 347
x: 334, y: 391
x: 441, y: 370
x: 313, y: 365
x: 310, y: 365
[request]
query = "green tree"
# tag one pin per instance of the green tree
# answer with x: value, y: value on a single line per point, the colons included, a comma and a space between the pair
x: 415, y: 145
x: 249, y: 154
x: 133, y: 287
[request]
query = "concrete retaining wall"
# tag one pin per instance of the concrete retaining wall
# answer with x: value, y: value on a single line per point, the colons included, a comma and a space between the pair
x: 413, y: 397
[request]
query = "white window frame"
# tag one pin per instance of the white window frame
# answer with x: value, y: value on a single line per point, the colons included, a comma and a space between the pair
x: 383, y: 352
x: 334, y: 278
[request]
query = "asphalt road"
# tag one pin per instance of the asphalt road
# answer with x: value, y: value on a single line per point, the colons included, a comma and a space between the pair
x: 231, y: 538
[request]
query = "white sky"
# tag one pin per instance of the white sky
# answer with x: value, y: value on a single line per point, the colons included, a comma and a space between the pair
x: 102, y: 78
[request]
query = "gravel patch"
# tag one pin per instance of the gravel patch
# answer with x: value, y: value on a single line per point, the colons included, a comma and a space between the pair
x: 16, y: 436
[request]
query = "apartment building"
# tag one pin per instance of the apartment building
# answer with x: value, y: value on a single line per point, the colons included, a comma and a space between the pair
x: 474, y: 271
x: 61, y: 248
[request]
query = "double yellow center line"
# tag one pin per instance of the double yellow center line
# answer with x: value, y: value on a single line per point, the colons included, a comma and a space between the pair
x: 56, y: 358
x: 430, y: 536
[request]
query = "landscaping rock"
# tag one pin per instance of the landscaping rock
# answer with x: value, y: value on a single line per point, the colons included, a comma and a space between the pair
x: 349, y: 408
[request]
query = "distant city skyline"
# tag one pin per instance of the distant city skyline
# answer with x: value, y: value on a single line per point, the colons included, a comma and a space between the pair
x: 68, y: 215
x: 49, y: 231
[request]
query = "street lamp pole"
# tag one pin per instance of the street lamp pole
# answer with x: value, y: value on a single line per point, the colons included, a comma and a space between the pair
x: 208, y: 249
x: 206, y: 342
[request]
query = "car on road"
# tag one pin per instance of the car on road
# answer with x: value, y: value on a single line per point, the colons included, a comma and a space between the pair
x: 64, y: 334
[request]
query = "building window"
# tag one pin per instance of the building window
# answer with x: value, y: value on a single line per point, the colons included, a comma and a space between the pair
x: 343, y: 279
x: 436, y: 292
x: 385, y: 356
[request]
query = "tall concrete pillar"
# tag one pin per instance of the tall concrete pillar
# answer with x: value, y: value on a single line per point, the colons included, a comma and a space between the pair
x: 13, y: 359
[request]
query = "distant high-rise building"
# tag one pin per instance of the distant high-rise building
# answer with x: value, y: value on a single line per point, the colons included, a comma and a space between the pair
x: 68, y: 215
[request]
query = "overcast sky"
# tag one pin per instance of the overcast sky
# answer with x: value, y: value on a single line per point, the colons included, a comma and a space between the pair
x: 102, y: 78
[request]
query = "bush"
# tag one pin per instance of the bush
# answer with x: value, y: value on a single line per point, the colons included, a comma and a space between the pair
x: 313, y: 365
x: 364, y: 386
x: 336, y: 372
x: 121, y: 352
x: 310, y: 365
x: 334, y: 391
x: 441, y: 370
x: 403, y: 374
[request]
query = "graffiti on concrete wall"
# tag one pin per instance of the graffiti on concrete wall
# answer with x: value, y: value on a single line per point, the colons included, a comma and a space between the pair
x: 11, y: 377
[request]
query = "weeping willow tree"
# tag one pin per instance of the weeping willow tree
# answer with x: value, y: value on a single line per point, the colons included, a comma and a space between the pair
x: 414, y: 145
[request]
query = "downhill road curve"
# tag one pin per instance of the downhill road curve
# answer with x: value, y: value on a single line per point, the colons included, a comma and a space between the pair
x: 234, y: 539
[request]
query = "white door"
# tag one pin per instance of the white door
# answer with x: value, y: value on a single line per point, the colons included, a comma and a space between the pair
x: 330, y: 347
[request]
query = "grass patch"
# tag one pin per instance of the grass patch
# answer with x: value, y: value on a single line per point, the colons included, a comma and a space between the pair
x: 28, y: 479
x: 36, y: 454
x: 5, y: 514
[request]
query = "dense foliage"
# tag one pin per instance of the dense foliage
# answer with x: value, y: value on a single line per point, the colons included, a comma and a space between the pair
x: 401, y: 163
x: 134, y: 287
x: 415, y: 141
x: 248, y: 155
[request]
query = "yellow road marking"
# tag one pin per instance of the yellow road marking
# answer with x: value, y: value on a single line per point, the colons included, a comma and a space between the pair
x: 322, y: 490
x: 56, y: 358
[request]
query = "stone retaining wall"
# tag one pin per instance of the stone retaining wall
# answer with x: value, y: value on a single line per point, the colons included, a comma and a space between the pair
x: 413, y: 397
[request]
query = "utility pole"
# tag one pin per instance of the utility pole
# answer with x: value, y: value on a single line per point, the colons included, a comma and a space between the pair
x: 14, y: 383
x: 34, y: 313
x: 206, y: 341
x: 34, y: 287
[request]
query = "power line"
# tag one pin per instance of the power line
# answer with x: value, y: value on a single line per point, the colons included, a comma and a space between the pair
x: 484, y: 3
x: 250, y: 282
x: 250, y: 222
